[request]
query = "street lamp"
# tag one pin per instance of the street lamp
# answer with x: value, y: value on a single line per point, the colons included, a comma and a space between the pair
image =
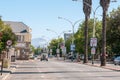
x: 58, y: 35
x: 94, y: 25
x: 94, y: 15
x: 72, y: 24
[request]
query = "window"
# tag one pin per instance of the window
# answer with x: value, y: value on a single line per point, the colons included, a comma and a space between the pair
x: 20, y: 38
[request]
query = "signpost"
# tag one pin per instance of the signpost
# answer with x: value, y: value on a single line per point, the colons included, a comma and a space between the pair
x: 72, y: 47
x: 93, y: 44
x: 9, y: 42
x: 57, y: 51
x: 93, y: 50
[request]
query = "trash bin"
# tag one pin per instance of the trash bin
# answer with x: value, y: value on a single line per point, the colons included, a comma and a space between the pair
x: 13, y: 58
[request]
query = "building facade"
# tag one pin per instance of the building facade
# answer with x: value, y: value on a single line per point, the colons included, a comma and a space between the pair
x: 23, y: 34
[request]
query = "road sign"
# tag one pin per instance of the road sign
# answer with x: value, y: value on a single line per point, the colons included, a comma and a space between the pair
x: 93, y: 42
x: 72, y: 47
x: 50, y: 50
x: 9, y: 42
x: 93, y: 50
x: 58, y: 51
x: 64, y: 50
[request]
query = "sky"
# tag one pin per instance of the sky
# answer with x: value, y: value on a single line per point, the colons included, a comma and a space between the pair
x: 40, y: 15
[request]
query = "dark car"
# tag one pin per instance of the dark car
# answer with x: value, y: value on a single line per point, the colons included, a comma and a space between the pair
x: 117, y: 61
x: 44, y: 57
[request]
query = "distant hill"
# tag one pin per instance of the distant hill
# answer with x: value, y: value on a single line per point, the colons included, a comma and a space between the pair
x: 36, y: 42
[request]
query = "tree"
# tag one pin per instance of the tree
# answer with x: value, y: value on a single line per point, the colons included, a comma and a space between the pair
x: 87, y: 10
x: 68, y: 43
x: 113, y: 32
x: 79, y: 36
x: 105, y: 5
x: 5, y: 35
x: 54, y: 44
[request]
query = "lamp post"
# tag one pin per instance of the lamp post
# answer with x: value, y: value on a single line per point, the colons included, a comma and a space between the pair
x: 57, y: 50
x: 55, y: 33
x: 58, y: 35
x: 87, y: 11
x: 94, y: 25
x: 73, y: 26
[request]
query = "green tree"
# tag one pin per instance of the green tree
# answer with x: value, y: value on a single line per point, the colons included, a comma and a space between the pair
x: 79, y: 36
x: 37, y: 51
x: 113, y: 32
x: 6, y: 34
x: 68, y: 43
x: 54, y: 44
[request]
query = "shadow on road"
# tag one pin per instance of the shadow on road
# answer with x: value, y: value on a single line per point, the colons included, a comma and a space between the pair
x: 54, y: 72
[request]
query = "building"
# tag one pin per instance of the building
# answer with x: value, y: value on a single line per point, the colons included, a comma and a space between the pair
x: 23, y: 33
x: 67, y: 36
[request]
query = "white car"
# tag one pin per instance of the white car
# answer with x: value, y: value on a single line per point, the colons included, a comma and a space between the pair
x: 117, y: 61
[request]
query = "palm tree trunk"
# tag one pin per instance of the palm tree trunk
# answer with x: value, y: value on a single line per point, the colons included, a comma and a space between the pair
x: 103, y: 54
x: 87, y: 10
x: 105, y: 5
x: 86, y: 40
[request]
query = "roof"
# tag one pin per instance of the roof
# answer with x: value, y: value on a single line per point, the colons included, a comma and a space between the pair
x: 18, y: 27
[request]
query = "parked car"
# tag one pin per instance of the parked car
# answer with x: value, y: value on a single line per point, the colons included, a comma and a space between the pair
x: 112, y: 59
x: 44, y: 56
x: 117, y: 61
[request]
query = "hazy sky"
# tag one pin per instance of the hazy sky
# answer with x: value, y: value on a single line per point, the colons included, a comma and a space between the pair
x: 40, y: 15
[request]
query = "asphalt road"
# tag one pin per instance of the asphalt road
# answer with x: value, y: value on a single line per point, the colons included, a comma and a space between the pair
x: 60, y: 70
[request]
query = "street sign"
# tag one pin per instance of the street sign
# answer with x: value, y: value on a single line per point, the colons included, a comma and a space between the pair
x: 93, y: 42
x: 64, y: 50
x: 9, y: 42
x: 50, y: 50
x: 62, y: 45
x: 72, y: 47
x: 93, y: 50
x: 58, y: 51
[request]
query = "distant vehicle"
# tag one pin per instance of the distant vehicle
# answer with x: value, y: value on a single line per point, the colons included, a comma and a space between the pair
x: 115, y: 56
x: 44, y: 56
x: 117, y: 61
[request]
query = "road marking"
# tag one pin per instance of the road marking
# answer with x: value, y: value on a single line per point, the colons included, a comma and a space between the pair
x: 42, y: 76
x: 6, y: 76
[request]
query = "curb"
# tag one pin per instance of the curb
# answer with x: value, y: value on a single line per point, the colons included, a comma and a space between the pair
x: 105, y: 67
x: 98, y: 65
x: 11, y: 69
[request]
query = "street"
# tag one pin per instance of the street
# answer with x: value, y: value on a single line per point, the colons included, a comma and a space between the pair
x: 60, y: 70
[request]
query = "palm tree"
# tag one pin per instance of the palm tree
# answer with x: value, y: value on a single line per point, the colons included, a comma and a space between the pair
x: 87, y: 10
x: 105, y: 5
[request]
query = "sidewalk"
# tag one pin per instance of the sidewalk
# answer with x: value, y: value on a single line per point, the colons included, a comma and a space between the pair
x: 6, y: 71
x: 110, y: 66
